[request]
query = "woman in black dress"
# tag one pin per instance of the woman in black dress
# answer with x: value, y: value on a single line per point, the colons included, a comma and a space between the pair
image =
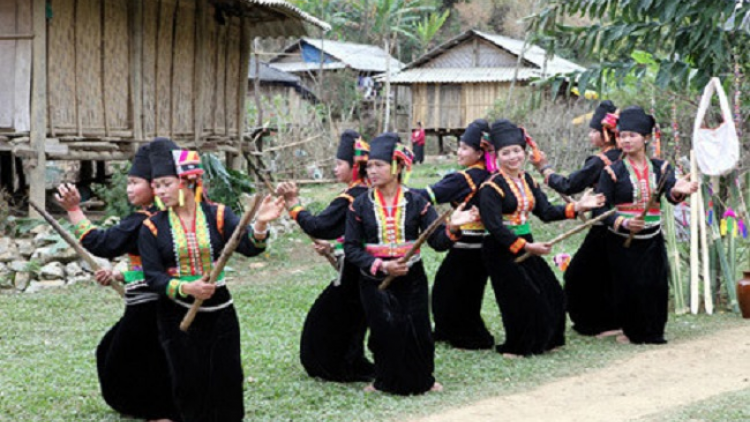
x: 381, y: 227
x: 528, y: 294
x: 333, y: 336
x: 132, y: 368
x: 588, y: 280
x: 640, y: 271
x: 179, y: 247
x: 458, y: 290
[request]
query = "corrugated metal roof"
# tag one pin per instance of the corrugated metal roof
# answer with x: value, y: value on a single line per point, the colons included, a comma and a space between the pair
x: 295, y: 67
x: 533, y: 53
x: 269, y: 74
x: 363, y: 57
x: 462, y: 75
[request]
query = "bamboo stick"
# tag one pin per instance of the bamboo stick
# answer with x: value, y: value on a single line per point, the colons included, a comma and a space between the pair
x: 70, y: 240
x: 674, y: 260
x: 708, y: 301
x: 229, y: 248
x: 569, y: 233
x: 415, y: 247
x: 723, y: 262
x: 694, y: 263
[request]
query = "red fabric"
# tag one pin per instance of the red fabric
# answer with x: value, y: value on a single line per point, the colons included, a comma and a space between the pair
x: 417, y: 137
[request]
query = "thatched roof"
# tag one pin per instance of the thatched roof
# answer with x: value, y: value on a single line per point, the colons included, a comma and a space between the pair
x: 339, y: 54
x: 272, y: 18
x: 533, y: 64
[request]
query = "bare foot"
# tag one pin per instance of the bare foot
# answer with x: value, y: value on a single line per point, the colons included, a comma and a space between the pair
x: 437, y: 387
x: 370, y: 388
x: 610, y: 333
x: 622, y: 339
x: 555, y: 349
x: 511, y: 356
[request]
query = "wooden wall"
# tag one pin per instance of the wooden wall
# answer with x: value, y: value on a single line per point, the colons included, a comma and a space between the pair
x: 118, y: 65
x: 472, y: 53
x: 15, y: 66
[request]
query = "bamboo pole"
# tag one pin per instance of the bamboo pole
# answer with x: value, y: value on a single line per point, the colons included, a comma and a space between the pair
x: 674, y: 260
x: 38, y: 133
x: 694, y: 263
x: 415, y: 247
x: 708, y: 301
x: 229, y: 248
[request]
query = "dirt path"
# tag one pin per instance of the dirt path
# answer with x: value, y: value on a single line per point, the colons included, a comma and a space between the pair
x: 650, y: 382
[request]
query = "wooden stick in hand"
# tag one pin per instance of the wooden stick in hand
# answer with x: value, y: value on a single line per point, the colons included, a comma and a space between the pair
x: 652, y: 201
x: 70, y: 240
x: 415, y: 247
x: 569, y: 233
x: 229, y: 248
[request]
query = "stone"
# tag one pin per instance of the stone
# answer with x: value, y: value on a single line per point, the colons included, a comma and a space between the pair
x: 36, y: 286
x: 6, y: 276
x: 18, y: 266
x: 47, y: 254
x: 43, y: 239
x: 101, y: 261
x: 52, y: 271
x: 25, y: 247
x: 42, y: 228
x: 73, y: 270
x: 79, y: 279
x: 8, y: 250
x: 22, y: 280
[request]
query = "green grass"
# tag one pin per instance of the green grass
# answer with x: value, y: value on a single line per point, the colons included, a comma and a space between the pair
x: 47, y: 343
x: 732, y: 406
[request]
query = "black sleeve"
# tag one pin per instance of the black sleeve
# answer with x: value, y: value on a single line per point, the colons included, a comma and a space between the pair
x: 579, y: 179
x: 248, y: 246
x: 355, y: 240
x: 439, y: 239
x: 153, y: 268
x: 117, y: 240
x: 606, y: 186
x: 546, y: 211
x: 673, y: 198
x: 330, y: 223
x: 451, y: 188
x: 491, y: 210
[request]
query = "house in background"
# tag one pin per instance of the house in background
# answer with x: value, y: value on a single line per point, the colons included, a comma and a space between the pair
x: 91, y: 79
x: 304, y: 56
x: 462, y: 79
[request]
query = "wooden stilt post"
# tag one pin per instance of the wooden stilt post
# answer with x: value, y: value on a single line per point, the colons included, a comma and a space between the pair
x: 38, y: 132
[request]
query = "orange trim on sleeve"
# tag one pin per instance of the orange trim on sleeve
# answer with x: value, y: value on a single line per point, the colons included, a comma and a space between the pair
x: 602, y: 156
x: 570, y: 211
x: 494, y: 186
x: 220, y: 219
x: 517, y: 245
x: 469, y: 181
x: 347, y: 197
x: 151, y: 226
x: 611, y: 172
x: 452, y: 236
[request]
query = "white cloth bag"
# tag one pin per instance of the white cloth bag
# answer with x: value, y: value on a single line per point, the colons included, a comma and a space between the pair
x: 717, y: 150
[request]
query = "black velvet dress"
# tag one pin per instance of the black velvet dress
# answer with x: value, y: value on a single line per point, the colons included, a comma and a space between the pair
x: 528, y: 294
x: 588, y: 280
x: 132, y: 368
x: 458, y: 290
x: 398, y: 318
x: 204, y: 362
x: 333, y: 336
x: 640, y: 272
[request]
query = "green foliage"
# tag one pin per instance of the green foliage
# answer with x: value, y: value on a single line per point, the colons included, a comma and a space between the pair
x: 690, y: 41
x: 225, y: 186
x: 114, y: 193
x: 429, y: 27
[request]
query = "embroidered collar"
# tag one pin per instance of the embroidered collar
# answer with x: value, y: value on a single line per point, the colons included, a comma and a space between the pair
x: 192, y: 245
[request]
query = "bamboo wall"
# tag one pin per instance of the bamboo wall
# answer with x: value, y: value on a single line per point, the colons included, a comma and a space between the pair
x: 15, y: 66
x: 445, y: 107
x: 472, y: 53
x: 117, y: 67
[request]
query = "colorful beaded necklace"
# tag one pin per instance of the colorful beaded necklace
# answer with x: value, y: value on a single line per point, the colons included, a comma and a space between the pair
x: 390, y: 218
x: 192, y: 248
x: 643, y: 183
x: 524, y: 197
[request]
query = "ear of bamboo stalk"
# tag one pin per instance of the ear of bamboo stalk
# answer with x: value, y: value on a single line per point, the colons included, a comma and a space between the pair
x: 694, y: 263
x: 674, y: 260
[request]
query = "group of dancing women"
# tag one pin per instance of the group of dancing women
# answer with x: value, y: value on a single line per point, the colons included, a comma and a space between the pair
x: 148, y: 368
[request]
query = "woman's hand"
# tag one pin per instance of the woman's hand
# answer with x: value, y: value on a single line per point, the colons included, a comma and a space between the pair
x: 199, y: 289
x: 590, y: 201
x: 323, y: 247
x: 684, y: 186
x: 103, y: 276
x: 290, y: 192
x: 542, y: 161
x: 462, y: 216
x: 635, y: 224
x: 68, y: 196
x: 538, y: 248
x: 395, y: 268
x: 269, y: 210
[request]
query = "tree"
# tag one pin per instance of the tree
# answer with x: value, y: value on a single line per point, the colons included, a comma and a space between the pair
x: 429, y: 27
x: 690, y: 40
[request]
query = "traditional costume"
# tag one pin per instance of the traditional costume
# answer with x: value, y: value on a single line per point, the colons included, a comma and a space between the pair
x: 458, y: 290
x: 528, y: 294
x: 205, y: 361
x: 333, y: 336
x: 398, y: 317
x: 132, y: 368
x: 639, y: 272
x: 588, y: 281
